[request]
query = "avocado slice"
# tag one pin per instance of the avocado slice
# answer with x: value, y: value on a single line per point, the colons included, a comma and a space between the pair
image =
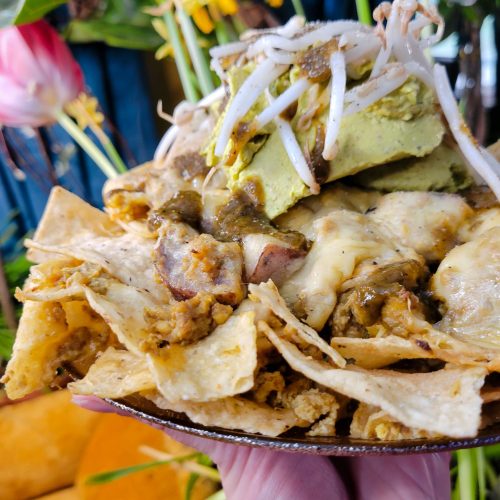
x: 365, y: 140
x: 369, y: 139
x: 272, y: 170
x: 441, y: 170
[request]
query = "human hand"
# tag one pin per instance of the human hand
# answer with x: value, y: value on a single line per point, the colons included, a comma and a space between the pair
x: 261, y: 474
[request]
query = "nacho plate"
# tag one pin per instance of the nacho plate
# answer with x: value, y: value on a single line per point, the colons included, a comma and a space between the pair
x: 297, y: 442
x: 235, y: 288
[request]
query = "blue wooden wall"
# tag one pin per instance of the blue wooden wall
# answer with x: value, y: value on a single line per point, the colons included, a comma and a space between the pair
x: 117, y: 78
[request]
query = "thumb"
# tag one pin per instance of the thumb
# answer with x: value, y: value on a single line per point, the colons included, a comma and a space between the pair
x: 419, y: 477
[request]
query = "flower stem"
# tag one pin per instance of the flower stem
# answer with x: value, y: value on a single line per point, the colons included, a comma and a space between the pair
x: 490, y: 473
x: 86, y: 144
x: 481, y: 472
x: 238, y: 24
x: 110, y: 149
x: 181, y: 59
x: 466, y: 475
x: 299, y: 9
x: 364, y: 11
x: 198, y: 58
x: 221, y: 32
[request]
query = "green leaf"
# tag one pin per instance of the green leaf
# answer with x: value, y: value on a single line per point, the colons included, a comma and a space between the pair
x: 32, y: 10
x: 117, y: 35
x: 205, y: 460
x: 120, y: 24
x: 16, y: 271
x: 6, y: 343
x: 106, y: 477
x: 190, y: 486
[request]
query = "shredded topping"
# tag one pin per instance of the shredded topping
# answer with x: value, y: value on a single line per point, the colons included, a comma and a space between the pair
x: 326, y: 54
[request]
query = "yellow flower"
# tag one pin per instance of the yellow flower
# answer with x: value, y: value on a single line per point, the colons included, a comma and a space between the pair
x: 275, y: 4
x: 206, y: 12
x: 85, y: 111
x: 202, y: 20
x: 166, y: 49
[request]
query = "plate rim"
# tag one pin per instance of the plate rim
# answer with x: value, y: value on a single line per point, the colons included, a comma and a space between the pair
x: 333, y: 446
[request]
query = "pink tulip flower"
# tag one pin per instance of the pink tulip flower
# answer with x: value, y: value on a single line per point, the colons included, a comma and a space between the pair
x: 38, y: 75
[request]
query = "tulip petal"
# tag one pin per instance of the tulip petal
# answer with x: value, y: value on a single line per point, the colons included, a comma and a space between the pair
x: 38, y: 75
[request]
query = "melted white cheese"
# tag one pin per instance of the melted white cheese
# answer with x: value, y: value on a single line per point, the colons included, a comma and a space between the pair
x: 468, y: 282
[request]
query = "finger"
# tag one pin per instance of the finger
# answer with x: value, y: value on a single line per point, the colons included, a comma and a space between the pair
x: 251, y: 473
x: 93, y: 403
x: 419, y: 477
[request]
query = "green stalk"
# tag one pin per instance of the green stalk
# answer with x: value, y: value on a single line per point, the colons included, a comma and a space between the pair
x: 364, y: 12
x: 490, y: 474
x: 299, y: 9
x: 238, y: 24
x: 481, y: 472
x: 106, y: 477
x: 86, y: 144
x: 492, y: 451
x: 466, y: 475
x: 110, y: 149
x: 191, y: 482
x: 221, y: 32
x: 181, y: 60
x: 200, y: 62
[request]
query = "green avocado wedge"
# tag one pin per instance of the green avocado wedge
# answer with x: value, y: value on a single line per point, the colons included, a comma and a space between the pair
x: 442, y: 170
x: 365, y: 140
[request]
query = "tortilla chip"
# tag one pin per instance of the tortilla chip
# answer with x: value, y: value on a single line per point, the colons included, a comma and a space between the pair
x: 218, y: 366
x: 123, y: 308
x: 57, y: 281
x: 269, y: 295
x: 126, y: 257
x: 67, y: 218
x: 41, y: 331
x: 444, y: 346
x: 369, y: 422
x: 115, y: 374
x: 233, y: 413
x: 380, y: 351
x: 445, y: 402
x: 50, y: 334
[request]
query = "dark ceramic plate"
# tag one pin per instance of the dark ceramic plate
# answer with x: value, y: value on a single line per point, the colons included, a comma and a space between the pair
x: 296, y: 441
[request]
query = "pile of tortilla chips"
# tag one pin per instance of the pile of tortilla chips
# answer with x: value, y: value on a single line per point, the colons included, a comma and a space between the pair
x: 341, y: 330
x: 86, y: 305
